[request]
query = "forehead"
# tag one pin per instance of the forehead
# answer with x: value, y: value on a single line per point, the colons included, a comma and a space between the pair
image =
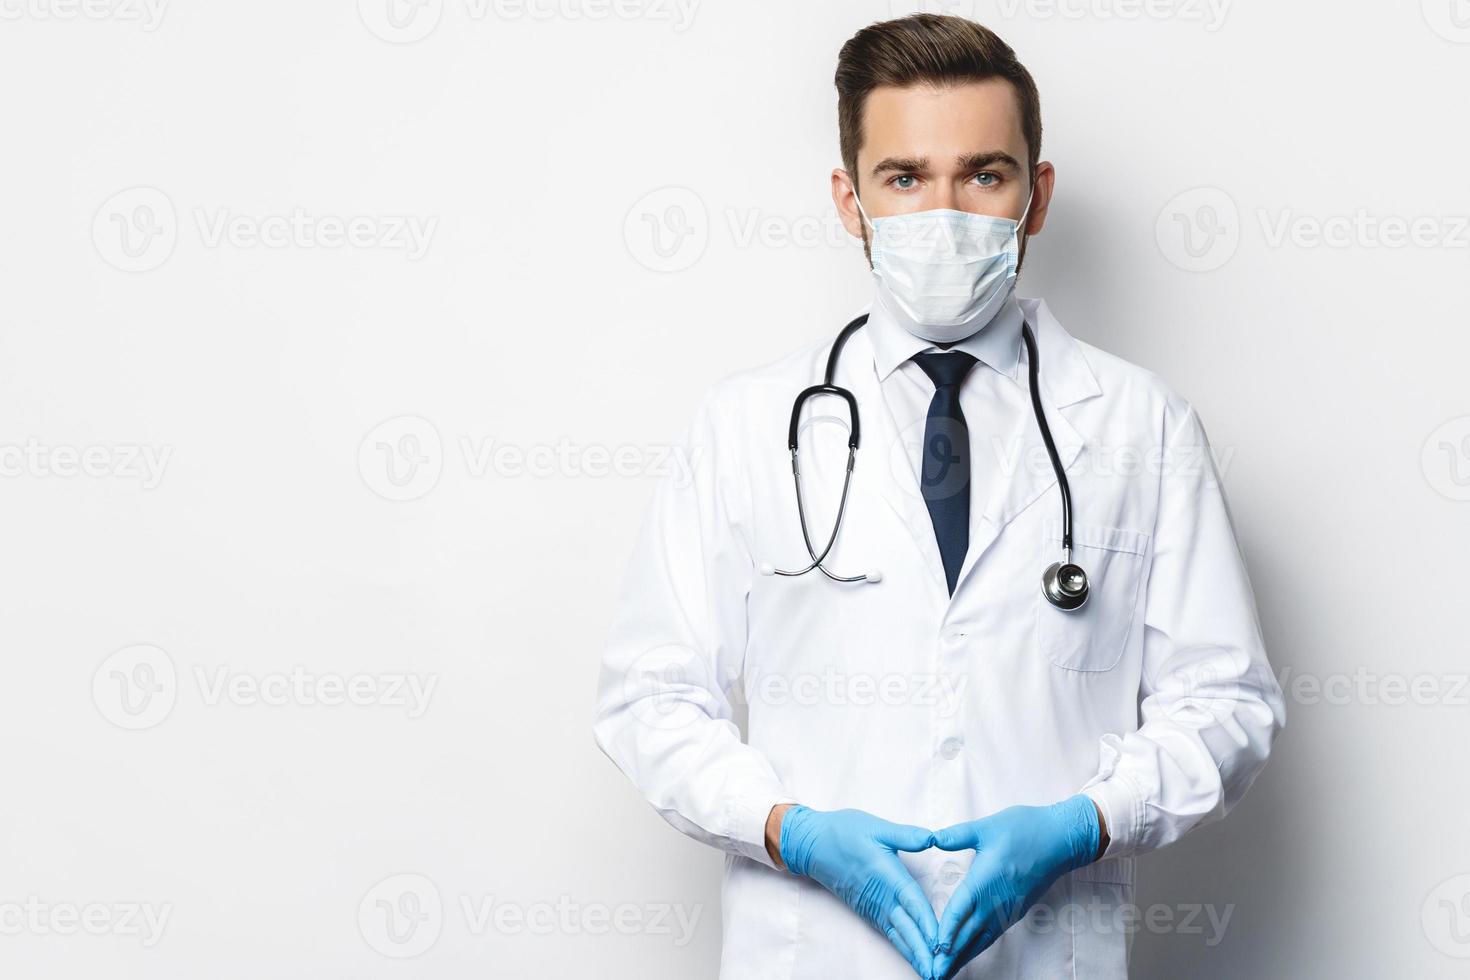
x: 942, y: 121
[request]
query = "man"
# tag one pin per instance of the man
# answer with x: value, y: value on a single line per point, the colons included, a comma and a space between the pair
x: 946, y: 772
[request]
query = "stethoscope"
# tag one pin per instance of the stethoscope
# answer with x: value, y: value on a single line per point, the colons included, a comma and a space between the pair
x: 1064, y: 583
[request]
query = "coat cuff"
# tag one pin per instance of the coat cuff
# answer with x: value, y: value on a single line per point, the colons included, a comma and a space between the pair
x: 1122, y: 807
x: 745, y: 822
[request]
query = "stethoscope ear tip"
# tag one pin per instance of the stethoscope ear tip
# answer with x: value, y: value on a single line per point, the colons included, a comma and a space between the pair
x: 873, y: 577
x: 767, y: 568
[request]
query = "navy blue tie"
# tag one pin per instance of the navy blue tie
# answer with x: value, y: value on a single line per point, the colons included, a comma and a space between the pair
x: 944, y: 475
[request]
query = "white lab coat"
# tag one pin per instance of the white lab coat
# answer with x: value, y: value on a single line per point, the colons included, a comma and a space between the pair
x: 1156, y: 698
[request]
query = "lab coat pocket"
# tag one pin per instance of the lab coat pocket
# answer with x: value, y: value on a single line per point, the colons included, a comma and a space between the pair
x: 1097, y: 916
x: 1094, y: 636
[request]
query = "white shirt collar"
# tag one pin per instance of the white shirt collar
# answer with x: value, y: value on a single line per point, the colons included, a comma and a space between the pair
x: 997, y: 343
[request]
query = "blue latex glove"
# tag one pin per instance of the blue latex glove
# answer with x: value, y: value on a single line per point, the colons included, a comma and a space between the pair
x: 1019, y: 853
x: 854, y: 856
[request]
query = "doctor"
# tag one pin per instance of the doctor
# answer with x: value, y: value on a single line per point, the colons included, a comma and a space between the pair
x: 946, y: 772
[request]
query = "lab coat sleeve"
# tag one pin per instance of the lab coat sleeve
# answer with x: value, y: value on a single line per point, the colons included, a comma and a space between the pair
x: 664, y: 707
x: 1210, y: 707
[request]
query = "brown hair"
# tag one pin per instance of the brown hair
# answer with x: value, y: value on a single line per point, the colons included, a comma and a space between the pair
x: 927, y: 48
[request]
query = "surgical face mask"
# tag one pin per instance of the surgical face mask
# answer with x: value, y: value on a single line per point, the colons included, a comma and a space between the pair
x: 945, y: 273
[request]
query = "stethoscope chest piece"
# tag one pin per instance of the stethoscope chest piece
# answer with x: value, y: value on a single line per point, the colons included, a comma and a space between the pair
x: 1065, y: 585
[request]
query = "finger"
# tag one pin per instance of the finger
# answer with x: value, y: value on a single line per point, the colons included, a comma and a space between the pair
x: 973, y: 933
x: 915, y: 903
x: 895, y: 936
x: 965, y: 946
x: 960, y: 837
x: 983, y: 938
x: 910, y: 942
x: 906, y: 837
x: 961, y: 906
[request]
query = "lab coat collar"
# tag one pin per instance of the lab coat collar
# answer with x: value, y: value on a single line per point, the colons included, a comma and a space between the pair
x: 1066, y: 377
x: 997, y: 342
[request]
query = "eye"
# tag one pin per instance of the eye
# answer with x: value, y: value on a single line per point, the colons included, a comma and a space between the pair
x: 904, y: 182
x: 987, y: 179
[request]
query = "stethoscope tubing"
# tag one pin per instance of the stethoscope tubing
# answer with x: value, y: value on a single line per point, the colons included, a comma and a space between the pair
x: 1064, y: 584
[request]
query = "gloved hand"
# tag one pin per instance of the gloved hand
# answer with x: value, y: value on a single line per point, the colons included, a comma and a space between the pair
x: 854, y: 856
x: 1019, y: 853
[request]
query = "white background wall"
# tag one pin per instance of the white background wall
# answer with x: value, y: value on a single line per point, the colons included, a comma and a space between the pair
x: 196, y: 490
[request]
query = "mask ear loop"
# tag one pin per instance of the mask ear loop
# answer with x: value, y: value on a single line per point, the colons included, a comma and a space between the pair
x: 859, y: 202
x: 1021, y: 222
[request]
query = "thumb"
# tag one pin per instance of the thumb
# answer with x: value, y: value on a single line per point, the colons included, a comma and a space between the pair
x: 906, y: 837
x: 959, y: 837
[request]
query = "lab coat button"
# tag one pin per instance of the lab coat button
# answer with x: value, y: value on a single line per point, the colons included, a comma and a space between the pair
x: 950, y: 748
x: 949, y: 873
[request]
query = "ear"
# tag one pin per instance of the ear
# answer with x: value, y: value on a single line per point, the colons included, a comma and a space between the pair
x: 1046, y: 179
x: 844, y: 196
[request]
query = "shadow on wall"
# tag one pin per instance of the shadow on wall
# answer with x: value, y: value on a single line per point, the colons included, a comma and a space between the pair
x: 1224, y: 902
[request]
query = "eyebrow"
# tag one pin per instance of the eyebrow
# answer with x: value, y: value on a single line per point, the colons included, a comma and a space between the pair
x: 968, y: 161
x: 979, y: 161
